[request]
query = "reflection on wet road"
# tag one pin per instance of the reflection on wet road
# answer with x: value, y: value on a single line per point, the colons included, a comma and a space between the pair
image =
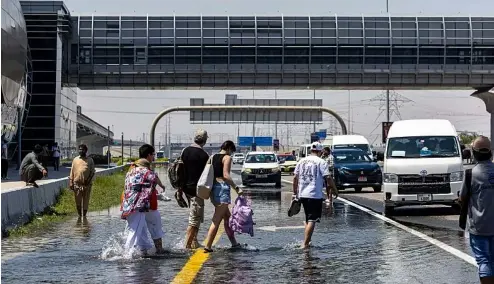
x: 349, y: 246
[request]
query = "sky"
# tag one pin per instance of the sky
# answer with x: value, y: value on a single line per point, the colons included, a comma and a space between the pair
x: 366, y: 111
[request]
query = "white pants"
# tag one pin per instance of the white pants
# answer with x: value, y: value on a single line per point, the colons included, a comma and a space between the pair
x: 153, y: 222
x: 137, y: 237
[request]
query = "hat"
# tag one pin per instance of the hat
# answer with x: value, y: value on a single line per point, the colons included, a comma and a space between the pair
x: 316, y: 146
x: 201, y: 134
x: 481, y: 144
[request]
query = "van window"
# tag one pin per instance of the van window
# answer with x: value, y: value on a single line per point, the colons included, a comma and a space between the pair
x: 422, y: 147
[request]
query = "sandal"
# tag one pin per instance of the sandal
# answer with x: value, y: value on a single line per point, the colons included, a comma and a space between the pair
x: 208, y: 250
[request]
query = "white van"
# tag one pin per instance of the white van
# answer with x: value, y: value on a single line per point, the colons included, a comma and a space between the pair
x: 422, y: 164
x: 352, y: 141
x: 304, y: 150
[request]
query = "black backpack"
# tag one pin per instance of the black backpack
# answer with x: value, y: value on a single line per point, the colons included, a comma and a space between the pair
x: 176, y: 173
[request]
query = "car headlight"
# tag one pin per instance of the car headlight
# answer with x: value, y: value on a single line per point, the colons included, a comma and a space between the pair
x: 390, y: 178
x: 247, y: 171
x: 456, y: 176
x: 344, y: 171
x: 275, y: 170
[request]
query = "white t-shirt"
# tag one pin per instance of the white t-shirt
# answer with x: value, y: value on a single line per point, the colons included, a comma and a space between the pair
x: 56, y: 151
x: 311, y: 171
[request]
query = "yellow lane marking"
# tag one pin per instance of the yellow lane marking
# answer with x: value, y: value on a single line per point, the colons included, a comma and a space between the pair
x: 196, y: 261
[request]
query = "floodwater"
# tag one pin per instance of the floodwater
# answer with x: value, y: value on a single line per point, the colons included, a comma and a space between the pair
x: 349, y: 246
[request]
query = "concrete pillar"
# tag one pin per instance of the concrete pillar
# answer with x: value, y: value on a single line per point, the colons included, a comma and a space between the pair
x: 487, y: 96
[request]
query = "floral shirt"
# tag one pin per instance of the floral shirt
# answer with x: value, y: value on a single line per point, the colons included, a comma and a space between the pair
x: 140, y: 182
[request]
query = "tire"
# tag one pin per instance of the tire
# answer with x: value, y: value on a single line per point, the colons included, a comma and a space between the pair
x: 278, y: 184
x: 377, y: 188
x: 389, y: 210
x: 358, y: 189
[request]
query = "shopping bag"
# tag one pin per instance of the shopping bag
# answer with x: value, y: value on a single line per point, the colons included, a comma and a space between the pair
x: 205, y: 183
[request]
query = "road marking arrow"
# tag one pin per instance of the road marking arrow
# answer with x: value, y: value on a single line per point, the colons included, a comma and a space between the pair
x: 274, y: 228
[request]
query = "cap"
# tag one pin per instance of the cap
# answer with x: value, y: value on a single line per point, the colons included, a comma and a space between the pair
x: 482, y: 144
x: 201, y: 134
x: 316, y: 146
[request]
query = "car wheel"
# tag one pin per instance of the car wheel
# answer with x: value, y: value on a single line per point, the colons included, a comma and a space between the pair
x: 377, y: 188
x: 389, y: 210
x: 278, y: 184
x: 358, y: 189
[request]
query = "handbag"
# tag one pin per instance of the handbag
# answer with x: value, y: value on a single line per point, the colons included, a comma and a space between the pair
x: 464, y: 203
x: 205, y: 183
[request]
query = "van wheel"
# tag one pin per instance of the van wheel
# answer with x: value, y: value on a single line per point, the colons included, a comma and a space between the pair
x: 358, y: 189
x: 389, y: 210
x: 377, y: 189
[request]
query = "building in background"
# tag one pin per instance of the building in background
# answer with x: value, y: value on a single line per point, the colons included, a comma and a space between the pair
x: 16, y: 72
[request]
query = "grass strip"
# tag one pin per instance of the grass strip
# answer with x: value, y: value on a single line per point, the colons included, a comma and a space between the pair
x: 105, y: 193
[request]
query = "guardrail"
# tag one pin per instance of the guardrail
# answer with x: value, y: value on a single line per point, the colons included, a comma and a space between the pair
x: 19, y: 204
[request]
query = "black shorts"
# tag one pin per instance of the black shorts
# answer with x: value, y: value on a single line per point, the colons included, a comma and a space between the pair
x: 312, y: 209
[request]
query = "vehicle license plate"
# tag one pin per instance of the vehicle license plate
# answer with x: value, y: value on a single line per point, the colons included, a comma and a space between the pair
x: 424, y: 197
x: 261, y: 176
x: 362, y: 179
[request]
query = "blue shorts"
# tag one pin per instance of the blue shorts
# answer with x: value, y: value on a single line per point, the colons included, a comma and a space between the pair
x: 483, y: 250
x: 221, y: 193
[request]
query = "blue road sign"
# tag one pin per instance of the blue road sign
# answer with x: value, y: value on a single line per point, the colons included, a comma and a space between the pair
x: 260, y: 141
x: 321, y: 134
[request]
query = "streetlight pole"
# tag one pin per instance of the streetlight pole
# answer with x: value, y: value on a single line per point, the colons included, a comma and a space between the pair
x: 387, y: 90
x: 130, y: 150
x: 108, y: 150
x: 122, y: 148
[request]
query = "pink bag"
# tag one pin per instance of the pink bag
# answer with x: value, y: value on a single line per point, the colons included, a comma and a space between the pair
x: 241, y: 220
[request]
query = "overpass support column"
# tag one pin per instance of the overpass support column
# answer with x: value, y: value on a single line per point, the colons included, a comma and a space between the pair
x: 487, y: 96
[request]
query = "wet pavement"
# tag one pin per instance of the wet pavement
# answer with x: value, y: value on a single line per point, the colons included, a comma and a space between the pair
x: 349, y: 246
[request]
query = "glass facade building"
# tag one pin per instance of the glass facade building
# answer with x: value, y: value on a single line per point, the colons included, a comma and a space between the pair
x: 16, y: 72
x: 255, y: 51
x: 52, y: 114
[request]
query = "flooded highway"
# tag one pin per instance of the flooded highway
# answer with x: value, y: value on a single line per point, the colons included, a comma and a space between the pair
x: 349, y: 246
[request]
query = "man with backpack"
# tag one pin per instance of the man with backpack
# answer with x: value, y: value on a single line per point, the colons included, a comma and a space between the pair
x: 194, y: 160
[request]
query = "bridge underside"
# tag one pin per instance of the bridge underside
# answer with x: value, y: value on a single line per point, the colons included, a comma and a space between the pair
x: 300, y: 77
x: 94, y: 141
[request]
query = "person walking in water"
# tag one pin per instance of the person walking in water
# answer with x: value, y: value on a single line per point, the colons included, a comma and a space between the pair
x: 479, y: 195
x: 311, y: 174
x: 194, y: 158
x: 140, y: 204
x: 31, y: 169
x: 81, y: 180
x: 220, y: 195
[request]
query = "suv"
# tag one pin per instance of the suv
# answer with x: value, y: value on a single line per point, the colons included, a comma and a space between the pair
x: 238, y: 158
x: 261, y: 167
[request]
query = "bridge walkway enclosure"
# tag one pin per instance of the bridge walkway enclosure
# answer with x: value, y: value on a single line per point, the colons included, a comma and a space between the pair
x: 160, y: 52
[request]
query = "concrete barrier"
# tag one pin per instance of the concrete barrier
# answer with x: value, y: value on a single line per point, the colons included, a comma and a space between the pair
x: 19, y: 204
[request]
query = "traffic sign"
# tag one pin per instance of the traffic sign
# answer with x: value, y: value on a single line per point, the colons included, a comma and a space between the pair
x: 259, y: 141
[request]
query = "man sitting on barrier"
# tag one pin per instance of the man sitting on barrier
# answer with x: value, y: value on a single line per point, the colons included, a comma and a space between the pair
x: 31, y: 169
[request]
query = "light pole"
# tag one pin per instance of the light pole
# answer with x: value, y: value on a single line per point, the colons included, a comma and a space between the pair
x: 130, y: 149
x: 108, y: 150
x: 122, y: 148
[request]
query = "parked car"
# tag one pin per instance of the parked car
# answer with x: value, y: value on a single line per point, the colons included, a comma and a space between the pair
x: 354, y: 168
x: 261, y: 167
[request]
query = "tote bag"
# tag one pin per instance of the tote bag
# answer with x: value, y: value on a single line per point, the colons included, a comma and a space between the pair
x: 205, y: 183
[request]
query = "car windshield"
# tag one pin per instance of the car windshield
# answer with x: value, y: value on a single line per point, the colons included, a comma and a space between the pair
x: 287, y: 158
x: 350, y: 157
x: 363, y: 147
x: 422, y: 147
x: 261, y: 158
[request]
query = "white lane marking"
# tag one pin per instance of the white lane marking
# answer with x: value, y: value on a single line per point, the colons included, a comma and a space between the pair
x: 466, y: 257
x: 274, y: 228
